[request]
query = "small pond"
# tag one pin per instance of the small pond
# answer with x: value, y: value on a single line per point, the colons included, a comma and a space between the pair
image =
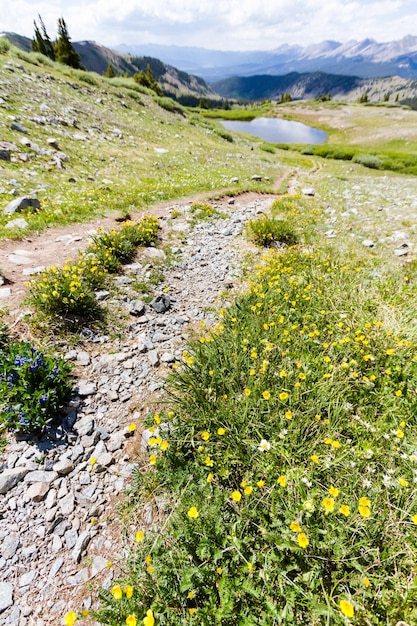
x: 275, y: 130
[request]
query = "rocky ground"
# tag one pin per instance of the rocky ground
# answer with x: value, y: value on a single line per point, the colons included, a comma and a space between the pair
x: 59, y: 538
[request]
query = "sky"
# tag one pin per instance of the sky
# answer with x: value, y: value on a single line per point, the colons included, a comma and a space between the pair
x: 222, y: 25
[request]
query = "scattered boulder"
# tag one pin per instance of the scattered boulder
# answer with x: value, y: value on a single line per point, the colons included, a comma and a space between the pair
x: 19, y: 127
x: 19, y: 204
x: 161, y: 304
x: 136, y: 308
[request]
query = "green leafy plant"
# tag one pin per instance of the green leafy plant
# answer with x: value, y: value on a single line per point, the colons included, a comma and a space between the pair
x: 265, y: 231
x: 33, y: 388
x: 117, y: 247
x: 69, y: 290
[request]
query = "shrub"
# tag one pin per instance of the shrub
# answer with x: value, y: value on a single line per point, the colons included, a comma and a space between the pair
x: 4, y: 45
x: 368, y: 160
x: 33, y: 388
x: 266, y: 147
x: 265, y: 231
x: 200, y: 212
x: 224, y: 134
x: 118, y: 247
x: 169, y: 105
x: 69, y: 290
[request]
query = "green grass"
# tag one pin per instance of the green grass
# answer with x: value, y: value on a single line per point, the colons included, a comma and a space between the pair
x: 287, y: 469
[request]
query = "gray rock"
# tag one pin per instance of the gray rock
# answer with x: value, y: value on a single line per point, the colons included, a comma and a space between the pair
x: 98, y: 565
x: 103, y: 461
x: 82, y: 542
x: 154, y: 253
x: 28, y: 578
x: 161, y: 304
x: 144, y: 343
x: 153, y: 357
x: 308, y: 191
x: 71, y: 537
x: 85, y: 426
x: 83, y: 358
x: 136, y: 308
x: 87, y: 388
x: 37, y: 491
x: 167, y: 357
x: 6, y: 595
x: 115, y: 442
x: 257, y: 177
x: 28, y: 271
x: 67, y: 504
x: 102, y: 295
x: 20, y: 204
x: 41, y: 476
x: 19, y: 223
x: 368, y: 243
x: 9, y: 546
x: 10, y: 477
x: 5, y: 292
x: 19, y: 127
x: 4, y: 154
x: 19, y: 259
x: 56, y: 566
x: 63, y: 466
x: 403, y: 250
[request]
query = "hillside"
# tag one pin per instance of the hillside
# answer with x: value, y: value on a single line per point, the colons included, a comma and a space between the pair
x: 96, y: 58
x: 314, y: 85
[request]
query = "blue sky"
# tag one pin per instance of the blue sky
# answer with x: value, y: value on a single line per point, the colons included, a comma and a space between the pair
x: 221, y: 25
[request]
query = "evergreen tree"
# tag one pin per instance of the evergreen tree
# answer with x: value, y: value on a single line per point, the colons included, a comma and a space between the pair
x: 64, y: 50
x: 41, y: 41
x: 110, y: 73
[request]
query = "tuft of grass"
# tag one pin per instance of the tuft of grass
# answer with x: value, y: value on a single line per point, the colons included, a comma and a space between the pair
x: 265, y: 231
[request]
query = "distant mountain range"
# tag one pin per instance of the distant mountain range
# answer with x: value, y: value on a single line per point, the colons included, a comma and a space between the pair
x: 313, y: 85
x: 366, y: 59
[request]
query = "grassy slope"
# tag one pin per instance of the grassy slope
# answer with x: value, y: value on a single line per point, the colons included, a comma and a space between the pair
x: 148, y: 153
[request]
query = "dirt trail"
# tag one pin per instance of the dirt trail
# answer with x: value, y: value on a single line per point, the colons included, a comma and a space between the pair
x: 55, y: 245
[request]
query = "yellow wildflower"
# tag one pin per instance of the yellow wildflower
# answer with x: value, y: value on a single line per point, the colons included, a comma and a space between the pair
x: 283, y: 395
x: 266, y: 395
x: 302, y: 540
x: 205, y: 435
x: 149, y: 620
x: 70, y: 618
x: 140, y: 536
x: 295, y: 527
x: 236, y: 496
x: 193, y: 513
x: 282, y: 481
x: 334, y: 491
x: 346, y: 608
x: 117, y: 592
x: 345, y: 510
x: 328, y: 504
x: 129, y: 591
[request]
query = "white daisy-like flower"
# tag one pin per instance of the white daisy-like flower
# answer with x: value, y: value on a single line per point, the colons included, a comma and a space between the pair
x: 264, y: 446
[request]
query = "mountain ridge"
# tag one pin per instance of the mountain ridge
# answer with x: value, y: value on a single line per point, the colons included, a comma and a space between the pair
x: 366, y: 59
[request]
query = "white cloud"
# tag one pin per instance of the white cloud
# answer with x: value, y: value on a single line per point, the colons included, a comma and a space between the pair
x: 237, y: 24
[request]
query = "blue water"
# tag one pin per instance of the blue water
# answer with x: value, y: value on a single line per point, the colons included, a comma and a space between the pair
x: 275, y: 130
